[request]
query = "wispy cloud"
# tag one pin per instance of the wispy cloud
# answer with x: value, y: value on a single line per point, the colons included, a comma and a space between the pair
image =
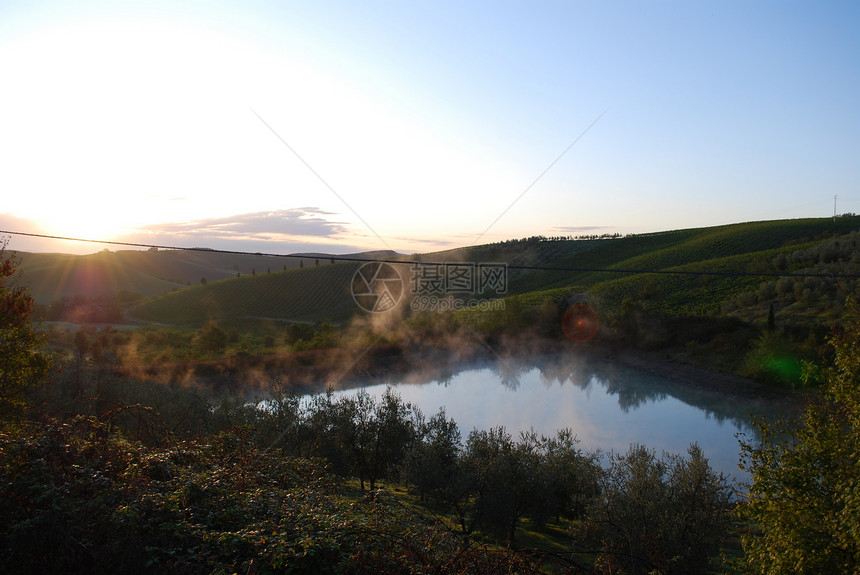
x: 12, y: 223
x: 305, y: 222
x: 577, y: 229
x: 420, y: 241
x: 299, y: 229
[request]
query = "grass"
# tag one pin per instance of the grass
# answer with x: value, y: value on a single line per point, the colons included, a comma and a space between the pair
x: 553, y: 537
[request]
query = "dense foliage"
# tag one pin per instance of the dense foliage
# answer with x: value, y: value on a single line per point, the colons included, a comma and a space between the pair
x: 804, y: 500
x: 115, y: 472
x: 22, y: 361
x: 135, y: 476
x: 79, y: 499
x: 667, y: 514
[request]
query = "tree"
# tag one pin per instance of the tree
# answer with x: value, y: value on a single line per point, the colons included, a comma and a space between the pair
x: 431, y: 465
x: 394, y: 429
x: 82, y: 343
x: 497, y: 472
x: 381, y: 434
x: 211, y: 338
x: 663, y: 515
x: 331, y: 430
x: 804, y: 500
x: 23, y: 363
x: 565, y: 479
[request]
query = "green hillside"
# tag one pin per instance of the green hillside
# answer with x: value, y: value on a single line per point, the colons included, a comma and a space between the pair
x: 52, y: 276
x: 734, y: 268
x: 665, y: 250
x: 309, y: 294
x: 316, y: 292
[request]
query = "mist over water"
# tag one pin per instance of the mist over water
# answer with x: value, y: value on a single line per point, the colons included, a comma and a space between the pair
x: 606, y: 405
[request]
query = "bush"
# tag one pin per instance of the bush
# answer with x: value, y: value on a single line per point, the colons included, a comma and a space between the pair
x: 774, y: 359
x: 211, y: 339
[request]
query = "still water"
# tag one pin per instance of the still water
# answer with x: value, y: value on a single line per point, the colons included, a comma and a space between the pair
x: 607, y: 406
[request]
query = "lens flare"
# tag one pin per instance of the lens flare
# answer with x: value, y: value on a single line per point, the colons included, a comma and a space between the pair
x: 580, y: 322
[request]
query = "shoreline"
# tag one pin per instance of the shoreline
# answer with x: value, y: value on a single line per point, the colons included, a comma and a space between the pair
x: 341, y: 367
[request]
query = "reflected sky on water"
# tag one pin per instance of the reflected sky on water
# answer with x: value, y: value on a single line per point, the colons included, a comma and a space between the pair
x: 608, y: 406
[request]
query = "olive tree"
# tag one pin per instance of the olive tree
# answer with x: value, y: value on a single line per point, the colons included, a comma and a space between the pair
x: 431, y: 464
x: 665, y: 515
x: 535, y: 478
x: 361, y: 436
x: 498, y: 473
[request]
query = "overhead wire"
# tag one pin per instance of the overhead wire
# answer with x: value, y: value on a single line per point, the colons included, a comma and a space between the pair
x: 414, y: 262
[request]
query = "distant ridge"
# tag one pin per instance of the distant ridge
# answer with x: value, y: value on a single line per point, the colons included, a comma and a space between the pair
x: 239, y: 285
x: 51, y: 276
x: 317, y: 292
x: 322, y: 292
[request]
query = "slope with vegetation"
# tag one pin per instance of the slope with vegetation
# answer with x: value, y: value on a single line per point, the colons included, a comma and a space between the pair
x: 752, y: 299
x: 100, y: 472
x: 717, y: 264
x: 149, y: 273
x: 314, y: 293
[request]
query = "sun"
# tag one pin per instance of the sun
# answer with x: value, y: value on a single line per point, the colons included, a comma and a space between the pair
x: 84, y: 222
x: 106, y: 124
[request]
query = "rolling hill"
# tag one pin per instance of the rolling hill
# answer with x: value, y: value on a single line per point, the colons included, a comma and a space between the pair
x: 149, y: 273
x: 308, y: 287
x: 310, y: 294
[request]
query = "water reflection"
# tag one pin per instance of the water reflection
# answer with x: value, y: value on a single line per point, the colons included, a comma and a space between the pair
x: 508, y: 371
x: 608, y: 406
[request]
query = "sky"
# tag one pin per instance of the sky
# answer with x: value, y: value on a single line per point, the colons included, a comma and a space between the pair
x: 420, y: 126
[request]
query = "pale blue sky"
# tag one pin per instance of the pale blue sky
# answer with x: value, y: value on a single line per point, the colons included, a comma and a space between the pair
x: 422, y: 121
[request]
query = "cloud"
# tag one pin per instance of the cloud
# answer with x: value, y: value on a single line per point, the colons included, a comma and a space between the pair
x: 16, y: 242
x: 304, y: 222
x: 303, y: 229
x: 13, y: 223
x: 431, y: 242
x: 576, y: 229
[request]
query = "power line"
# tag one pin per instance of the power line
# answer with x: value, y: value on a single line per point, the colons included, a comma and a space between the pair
x: 541, y: 175
x: 427, y: 263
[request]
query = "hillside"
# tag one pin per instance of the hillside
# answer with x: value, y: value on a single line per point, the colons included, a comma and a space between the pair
x: 712, y: 258
x: 51, y: 277
x: 308, y: 287
x: 310, y: 294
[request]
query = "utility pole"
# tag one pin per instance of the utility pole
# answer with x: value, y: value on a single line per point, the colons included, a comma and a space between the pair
x: 834, y: 207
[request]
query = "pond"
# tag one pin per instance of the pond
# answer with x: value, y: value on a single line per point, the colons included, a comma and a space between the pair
x: 607, y: 406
